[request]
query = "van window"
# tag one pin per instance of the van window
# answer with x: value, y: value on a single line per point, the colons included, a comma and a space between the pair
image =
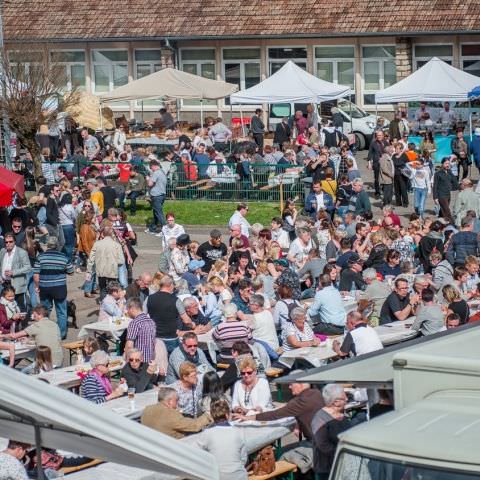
x: 351, y: 466
x: 280, y: 110
x: 357, y: 112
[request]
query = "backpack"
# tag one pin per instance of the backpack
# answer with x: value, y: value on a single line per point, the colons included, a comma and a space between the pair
x: 290, y: 307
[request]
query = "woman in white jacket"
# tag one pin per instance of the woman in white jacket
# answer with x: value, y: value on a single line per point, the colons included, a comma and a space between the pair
x: 119, y: 139
x: 421, y: 181
x: 225, y: 442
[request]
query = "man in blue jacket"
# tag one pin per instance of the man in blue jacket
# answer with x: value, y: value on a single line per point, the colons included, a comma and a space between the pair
x: 475, y: 147
x: 318, y: 200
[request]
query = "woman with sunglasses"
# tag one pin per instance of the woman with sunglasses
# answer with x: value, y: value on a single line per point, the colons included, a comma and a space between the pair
x: 250, y: 394
x: 189, y: 390
x: 138, y: 374
x: 96, y: 386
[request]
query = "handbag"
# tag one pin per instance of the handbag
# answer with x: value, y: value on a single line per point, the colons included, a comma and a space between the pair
x: 406, y: 172
x: 264, y: 463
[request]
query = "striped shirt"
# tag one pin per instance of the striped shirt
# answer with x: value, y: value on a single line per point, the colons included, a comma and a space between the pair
x: 227, y: 333
x: 142, y: 332
x: 93, y: 390
x: 53, y: 267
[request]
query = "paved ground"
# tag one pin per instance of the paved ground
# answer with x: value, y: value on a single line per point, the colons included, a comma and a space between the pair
x: 149, y: 248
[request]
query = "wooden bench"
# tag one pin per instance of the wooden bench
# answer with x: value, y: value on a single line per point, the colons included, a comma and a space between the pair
x: 72, y: 347
x: 268, y: 187
x: 207, y: 187
x: 281, y: 468
x: 222, y: 366
x: 93, y: 463
x: 274, y: 372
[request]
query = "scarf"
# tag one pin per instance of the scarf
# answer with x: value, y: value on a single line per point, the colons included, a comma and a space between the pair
x: 190, y: 358
x: 104, y: 381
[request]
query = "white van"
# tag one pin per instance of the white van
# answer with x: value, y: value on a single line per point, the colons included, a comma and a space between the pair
x: 355, y: 120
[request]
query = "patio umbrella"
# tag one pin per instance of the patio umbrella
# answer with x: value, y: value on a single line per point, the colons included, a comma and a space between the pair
x: 86, y: 112
x: 474, y: 94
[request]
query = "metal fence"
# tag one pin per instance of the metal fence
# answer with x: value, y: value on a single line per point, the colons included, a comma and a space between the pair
x: 222, y: 182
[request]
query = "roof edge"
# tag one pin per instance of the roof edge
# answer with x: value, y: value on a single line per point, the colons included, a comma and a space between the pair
x: 246, y: 37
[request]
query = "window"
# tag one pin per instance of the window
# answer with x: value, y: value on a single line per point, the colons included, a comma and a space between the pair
x: 424, y: 53
x: 200, y: 62
x: 336, y: 64
x: 379, y: 70
x: 71, y: 66
x: 471, y: 59
x: 24, y: 63
x: 147, y: 61
x: 241, y: 66
x: 277, y: 56
x: 110, y: 69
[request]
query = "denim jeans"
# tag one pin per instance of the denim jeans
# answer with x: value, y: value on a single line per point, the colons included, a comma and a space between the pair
x: 123, y: 276
x: 342, y: 211
x: 133, y: 201
x: 33, y: 295
x: 158, y: 216
x: 61, y: 311
x: 170, y: 344
x: 419, y: 199
x: 90, y: 285
x: 69, y: 236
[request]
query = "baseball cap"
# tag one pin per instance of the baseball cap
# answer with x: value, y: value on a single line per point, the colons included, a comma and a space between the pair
x: 281, y: 261
x: 91, y: 180
x: 194, y: 264
x: 354, y: 258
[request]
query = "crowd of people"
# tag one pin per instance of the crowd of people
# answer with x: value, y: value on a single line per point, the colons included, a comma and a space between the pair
x: 259, y: 291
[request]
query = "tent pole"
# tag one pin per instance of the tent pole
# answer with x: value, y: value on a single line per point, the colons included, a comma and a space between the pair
x: 101, y: 118
x: 241, y: 120
x: 38, y: 453
x: 142, y: 111
x: 201, y: 113
x: 470, y: 118
x: 231, y: 116
x: 350, y: 113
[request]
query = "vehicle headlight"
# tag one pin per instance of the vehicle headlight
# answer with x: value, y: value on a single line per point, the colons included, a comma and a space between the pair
x: 371, y: 124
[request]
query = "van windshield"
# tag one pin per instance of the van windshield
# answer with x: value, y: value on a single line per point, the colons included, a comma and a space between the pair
x: 351, y: 466
x: 357, y: 112
x: 280, y: 110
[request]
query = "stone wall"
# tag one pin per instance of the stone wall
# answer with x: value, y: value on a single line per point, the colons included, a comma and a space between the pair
x: 403, y: 57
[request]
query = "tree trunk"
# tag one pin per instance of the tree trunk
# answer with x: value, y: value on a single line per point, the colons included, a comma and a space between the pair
x: 32, y: 146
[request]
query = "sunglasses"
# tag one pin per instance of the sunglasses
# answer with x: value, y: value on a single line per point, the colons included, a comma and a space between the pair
x: 134, y: 360
x: 191, y: 346
x: 247, y: 373
x: 9, y: 241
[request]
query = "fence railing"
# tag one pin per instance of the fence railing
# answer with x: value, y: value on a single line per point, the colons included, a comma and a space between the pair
x: 226, y: 181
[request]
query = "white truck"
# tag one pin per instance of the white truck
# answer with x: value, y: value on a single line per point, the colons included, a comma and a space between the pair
x: 356, y: 120
x: 434, y: 431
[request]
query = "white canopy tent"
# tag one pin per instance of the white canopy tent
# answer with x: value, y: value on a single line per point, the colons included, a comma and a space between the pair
x: 171, y: 83
x: 290, y: 84
x: 34, y: 412
x: 436, y: 81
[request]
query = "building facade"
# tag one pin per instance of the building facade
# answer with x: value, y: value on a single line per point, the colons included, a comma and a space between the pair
x: 368, y: 46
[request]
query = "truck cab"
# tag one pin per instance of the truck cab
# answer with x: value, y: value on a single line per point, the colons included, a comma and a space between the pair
x: 355, y: 120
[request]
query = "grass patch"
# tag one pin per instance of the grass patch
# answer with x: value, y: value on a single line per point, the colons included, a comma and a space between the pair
x: 193, y: 212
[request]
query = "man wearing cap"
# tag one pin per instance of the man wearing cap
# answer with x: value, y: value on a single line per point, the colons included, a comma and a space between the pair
x: 212, y: 250
x: 238, y: 218
x: 351, y: 277
x: 180, y: 259
x: 328, y: 308
x: 287, y: 277
x: 194, y: 274
x: 96, y: 196
x: 443, y: 183
x: 157, y: 185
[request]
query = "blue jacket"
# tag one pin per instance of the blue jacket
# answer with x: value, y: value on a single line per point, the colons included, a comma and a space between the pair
x: 327, y: 201
x: 475, y: 149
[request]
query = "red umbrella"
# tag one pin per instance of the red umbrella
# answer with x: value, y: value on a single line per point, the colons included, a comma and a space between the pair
x: 10, y: 182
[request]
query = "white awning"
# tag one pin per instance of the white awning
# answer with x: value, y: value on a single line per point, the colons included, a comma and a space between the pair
x: 69, y: 422
x: 291, y: 84
x: 436, y: 81
x: 171, y: 83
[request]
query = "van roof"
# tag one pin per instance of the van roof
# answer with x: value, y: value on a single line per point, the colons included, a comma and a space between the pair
x: 443, y: 428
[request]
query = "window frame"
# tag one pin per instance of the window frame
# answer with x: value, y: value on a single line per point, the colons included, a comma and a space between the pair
x: 381, y: 61
x: 27, y: 65
x: 416, y: 59
x: 335, y: 61
x: 279, y: 60
x: 69, y: 65
x: 110, y: 64
x: 147, y: 104
x: 206, y: 105
x: 468, y: 58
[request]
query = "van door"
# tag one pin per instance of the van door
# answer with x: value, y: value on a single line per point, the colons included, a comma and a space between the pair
x: 277, y: 112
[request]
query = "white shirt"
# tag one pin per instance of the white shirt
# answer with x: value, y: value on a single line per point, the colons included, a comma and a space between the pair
x: 259, y: 396
x: 168, y: 233
x: 281, y: 237
x: 319, y: 201
x: 238, y: 219
x: 263, y: 328
x: 446, y: 117
x: 299, y: 251
x: 7, y: 263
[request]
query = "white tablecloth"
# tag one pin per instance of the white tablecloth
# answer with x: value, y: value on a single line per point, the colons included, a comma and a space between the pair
x: 113, y: 329
x: 67, y: 377
x: 317, y: 356
x: 123, y: 406
x: 22, y: 350
x: 396, y: 332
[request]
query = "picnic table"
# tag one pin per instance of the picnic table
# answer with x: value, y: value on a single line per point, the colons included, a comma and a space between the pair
x: 317, y: 356
x: 22, y: 350
x: 67, y: 377
x: 396, y: 332
x: 113, y: 328
x: 132, y: 409
x: 255, y: 436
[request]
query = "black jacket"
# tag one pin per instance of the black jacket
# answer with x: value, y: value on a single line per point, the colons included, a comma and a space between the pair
x: 377, y: 256
x: 282, y: 133
x: 376, y: 150
x: 443, y: 183
x: 139, y: 379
